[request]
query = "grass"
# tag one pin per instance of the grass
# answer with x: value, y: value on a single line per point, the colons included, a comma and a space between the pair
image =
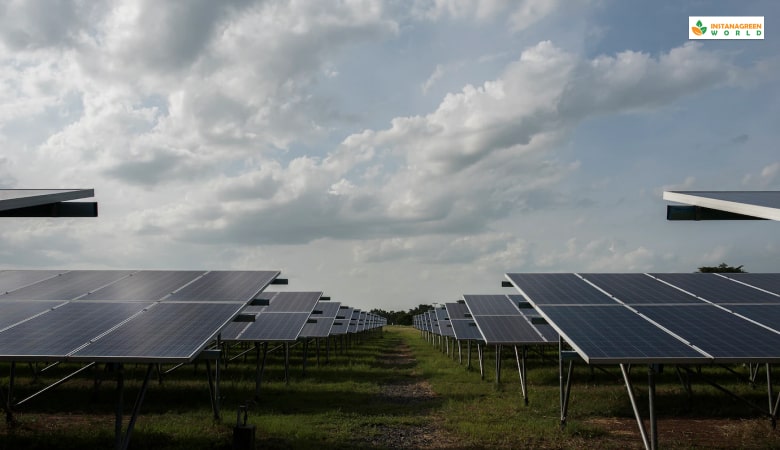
x: 361, y: 400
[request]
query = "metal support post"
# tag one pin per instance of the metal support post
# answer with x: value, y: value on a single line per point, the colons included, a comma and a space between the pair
x: 651, y: 406
x: 481, y: 358
x: 772, y: 415
x: 260, y: 369
x: 460, y: 354
x: 638, y: 417
x: 286, y: 363
x: 120, y: 390
x: 520, y: 356
x: 498, y: 365
x: 136, y: 408
x: 9, y: 415
x: 468, y: 355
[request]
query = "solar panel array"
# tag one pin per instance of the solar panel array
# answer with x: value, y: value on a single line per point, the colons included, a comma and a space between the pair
x: 119, y: 315
x: 656, y: 318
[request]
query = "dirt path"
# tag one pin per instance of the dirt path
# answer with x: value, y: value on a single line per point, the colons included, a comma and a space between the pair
x: 415, y: 392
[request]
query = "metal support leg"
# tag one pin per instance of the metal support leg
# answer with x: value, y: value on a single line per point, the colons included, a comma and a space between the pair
x: 55, y: 384
x: 327, y: 350
x: 480, y: 356
x: 120, y: 390
x: 136, y: 408
x: 305, y: 354
x: 260, y: 370
x: 9, y: 415
x: 498, y: 365
x: 651, y: 407
x: 564, y: 384
x: 521, y: 369
x: 468, y: 355
x: 212, y: 390
x: 638, y: 417
x: 772, y: 409
x: 317, y: 346
x: 460, y: 354
x: 286, y: 363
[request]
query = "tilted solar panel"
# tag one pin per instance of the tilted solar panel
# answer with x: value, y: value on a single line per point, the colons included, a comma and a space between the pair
x: 721, y: 334
x: 15, y: 312
x: 341, y: 322
x: 146, y: 285
x: 767, y: 315
x: 445, y: 325
x: 275, y: 327
x: 10, y: 280
x: 303, y: 302
x: 53, y: 335
x: 558, y: 289
x: 717, y: 289
x: 493, y: 305
x: 225, y: 286
x: 767, y: 281
x: 638, y: 288
x: 166, y: 332
x: 611, y: 334
x: 508, y: 330
x: 67, y: 286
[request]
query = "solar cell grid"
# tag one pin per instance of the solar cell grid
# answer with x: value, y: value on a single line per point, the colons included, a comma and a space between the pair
x: 11, y: 280
x: 768, y: 315
x: 445, y: 327
x: 558, y: 289
x: 60, y: 331
x: 166, y: 332
x: 717, y: 289
x: 275, y: 327
x: 605, y: 334
x: 717, y: 332
x: 767, y: 281
x: 493, y: 305
x: 466, y: 330
x: 294, y: 302
x: 638, y: 288
x: 508, y: 330
x: 14, y: 312
x: 225, y: 286
x: 146, y: 285
x: 67, y: 286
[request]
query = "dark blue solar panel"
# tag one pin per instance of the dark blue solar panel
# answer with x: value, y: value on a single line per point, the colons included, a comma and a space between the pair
x: 445, y: 327
x: 326, y: 309
x: 767, y: 281
x: 768, y: 315
x: 293, y: 301
x: 166, y: 332
x: 490, y: 305
x: 717, y: 332
x: 222, y: 286
x: 508, y: 330
x: 466, y: 330
x: 341, y: 323
x: 11, y: 280
x: 615, y: 334
x: 60, y: 331
x: 317, y: 327
x: 275, y: 327
x: 717, y: 289
x: 67, y: 286
x: 457, y: 310
x: 637, y: 288
x: 14, y: 312
x: 558, y: 289
x: 146, y: 285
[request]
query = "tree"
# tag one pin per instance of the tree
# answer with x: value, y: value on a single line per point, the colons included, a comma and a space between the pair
x: 722, y: 268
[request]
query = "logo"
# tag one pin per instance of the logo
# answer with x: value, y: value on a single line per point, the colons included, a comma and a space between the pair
x: 726, y: 27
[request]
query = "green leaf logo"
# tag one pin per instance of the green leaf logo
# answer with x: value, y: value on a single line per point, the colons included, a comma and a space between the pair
x: 699, y: 29
x: 698, y: 24
x: 703, y: 29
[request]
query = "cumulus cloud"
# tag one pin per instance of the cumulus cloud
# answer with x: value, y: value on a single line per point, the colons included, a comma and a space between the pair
x: 521, y: 14
x: 768, y: 178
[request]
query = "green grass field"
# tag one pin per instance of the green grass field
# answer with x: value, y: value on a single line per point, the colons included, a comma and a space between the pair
x: 393, y: 390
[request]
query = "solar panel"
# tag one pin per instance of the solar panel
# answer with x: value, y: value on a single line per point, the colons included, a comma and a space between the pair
x: 14, y: 312
x: 768, y: 315
x: 717, y: 289
x: 166, y: 332
x: 493, y: 305
x: 530, y: 314
x: 225, y: 286
x: 445, y: 325
x: 557, y: 289
x: 466, y: 330
x: 67, y: 286
x: 293, y: 301
x: 146, y: 285
x: 341, y: 322
x: 53, y: 335
x: 611, y: 334
x: 766, y: 281
x: 11, y: 280
x: 322, y: 321
x: 457, y: 311
x: 723, y: 335
x: 22, y: 198
x: 508, y: 330
x: 764, y: 204
x: 638, y: 288
x: 275, y: 327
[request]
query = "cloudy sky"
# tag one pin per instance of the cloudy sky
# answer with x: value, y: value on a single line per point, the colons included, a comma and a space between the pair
x: 389, y: 153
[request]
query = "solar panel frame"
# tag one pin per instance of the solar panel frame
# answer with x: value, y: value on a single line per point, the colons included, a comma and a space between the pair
x: 639, y: 289
x: 766, y: 281
x: 303, y: 302
x: 23, y: 198
x: 274, y: 327
x: 325, y: 320
x: 445, y: 325
x: 11, y: 280
x: 145, y: 285
x: 492, y: 305
x: 763, y: 204
x: 12, y: 313
x: 557, y: 289
x: 67, y: 286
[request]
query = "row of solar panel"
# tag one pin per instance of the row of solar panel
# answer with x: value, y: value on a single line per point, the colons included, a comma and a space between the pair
x: 492, y: 319
x: 151, y: 316
x: 683, y: 318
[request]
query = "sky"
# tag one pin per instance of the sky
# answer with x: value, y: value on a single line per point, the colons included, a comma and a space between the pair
x: 389, y: 153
